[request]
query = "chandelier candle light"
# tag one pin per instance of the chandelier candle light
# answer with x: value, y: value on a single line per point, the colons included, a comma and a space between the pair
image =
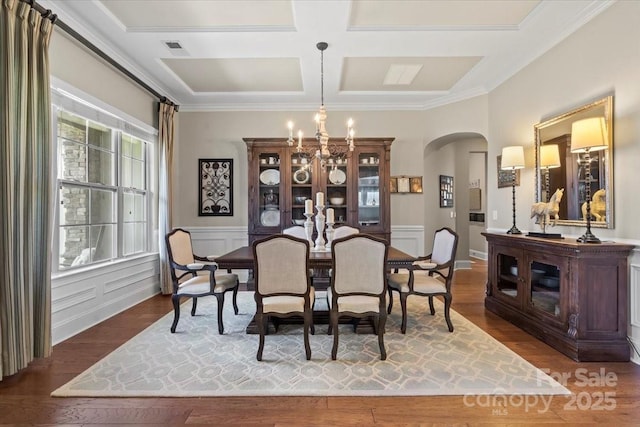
x: 512, y: 159
x: 588, y: 135
x: 324, y: 151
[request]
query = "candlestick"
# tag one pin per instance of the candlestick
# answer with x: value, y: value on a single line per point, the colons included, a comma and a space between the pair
x: 330, y: 216
x: 308, y: 206
x: 308, y: 227
x: 299, y: 140
x: 320, y: 198
x: 330, y: 231
x: 320, y: 243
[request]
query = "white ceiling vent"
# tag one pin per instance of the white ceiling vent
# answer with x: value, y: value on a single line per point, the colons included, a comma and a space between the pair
x: 175, y: 48
x: 401, y: 74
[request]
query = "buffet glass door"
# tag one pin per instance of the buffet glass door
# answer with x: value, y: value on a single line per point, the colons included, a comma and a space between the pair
x: 369, y: 210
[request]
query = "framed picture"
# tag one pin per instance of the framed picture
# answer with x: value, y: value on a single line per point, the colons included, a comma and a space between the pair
x: 406, y: 184
x: 415, y: 184
x: 393, y: 185
x: 505, y: 176
x: 446, y: 191
x: 215, y: 196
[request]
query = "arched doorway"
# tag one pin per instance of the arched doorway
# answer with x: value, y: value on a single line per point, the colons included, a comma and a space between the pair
x: 461, y: 155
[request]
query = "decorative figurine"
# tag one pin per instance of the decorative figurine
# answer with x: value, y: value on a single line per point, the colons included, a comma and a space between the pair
x: 545, y: 210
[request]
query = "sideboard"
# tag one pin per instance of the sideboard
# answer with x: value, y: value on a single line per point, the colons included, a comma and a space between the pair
x: 572, y: 296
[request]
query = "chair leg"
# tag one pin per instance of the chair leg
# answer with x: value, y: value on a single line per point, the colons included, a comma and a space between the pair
x: 382, y: 319
x: 390, y: 307
x: 355, y: 322
x: 308, y: 320
x: 260, y: 324
x: 447, y: 307
x: 403, y: 304
x: 431, y: 308
x: 235, y: 298
x: 175, y: 299
x: 334, y: 325
x: 220, y: 298
x: 193, y: 306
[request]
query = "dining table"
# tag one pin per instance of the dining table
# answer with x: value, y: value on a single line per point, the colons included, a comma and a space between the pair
x: 320, y: 262
x: 242, y: 258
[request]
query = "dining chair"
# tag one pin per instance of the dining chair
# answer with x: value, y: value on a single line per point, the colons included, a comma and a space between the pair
x: 193, y: 279
x: 429, y: 276
x: 344, y: 231
x: 282, y: 283
x: 358, y: 287
x: 296, y: 231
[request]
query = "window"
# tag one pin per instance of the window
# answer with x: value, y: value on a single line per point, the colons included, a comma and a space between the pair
x: 103, y: 192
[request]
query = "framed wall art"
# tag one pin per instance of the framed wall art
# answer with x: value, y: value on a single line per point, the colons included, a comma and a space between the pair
x: 215, y: 196
x: 446, y: 191
x: 505, y: 176
x: 406, y: 184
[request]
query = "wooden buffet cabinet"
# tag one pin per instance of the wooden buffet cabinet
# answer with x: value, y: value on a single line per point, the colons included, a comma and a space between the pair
x: 280, y: 179
x: 572, y: 296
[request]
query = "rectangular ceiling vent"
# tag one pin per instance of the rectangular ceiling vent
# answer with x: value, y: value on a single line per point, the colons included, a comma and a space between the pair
x: 175, y: 48
x: 173, y: 45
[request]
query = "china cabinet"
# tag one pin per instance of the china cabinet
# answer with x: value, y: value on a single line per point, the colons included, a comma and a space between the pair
x: 573, y: 296
x: 282, y: 180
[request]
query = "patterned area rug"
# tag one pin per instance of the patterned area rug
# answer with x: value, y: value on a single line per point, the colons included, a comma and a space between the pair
x: 196, y: 361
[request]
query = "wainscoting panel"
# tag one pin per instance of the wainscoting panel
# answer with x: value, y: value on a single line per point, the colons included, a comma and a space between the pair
x: 408, y: 238
x: 87, y: 296
x: 634, y: 305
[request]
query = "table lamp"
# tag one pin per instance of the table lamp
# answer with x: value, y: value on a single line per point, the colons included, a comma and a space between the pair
x: 549, y: 159
x: 512, y: 159
x: 588, y: 135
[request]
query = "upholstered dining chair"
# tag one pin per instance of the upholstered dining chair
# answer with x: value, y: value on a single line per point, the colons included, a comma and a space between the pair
x: 344, y: 231
x: 193, y: 279
x: 296, y: 231
x: 358, y: 286
x: 429, y: 276
x: 282, y: 283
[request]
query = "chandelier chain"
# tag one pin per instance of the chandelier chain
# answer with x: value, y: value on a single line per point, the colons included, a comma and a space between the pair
x: 322, y: 77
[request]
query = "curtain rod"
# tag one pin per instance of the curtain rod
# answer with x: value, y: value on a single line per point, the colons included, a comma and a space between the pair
x: 73, y: 33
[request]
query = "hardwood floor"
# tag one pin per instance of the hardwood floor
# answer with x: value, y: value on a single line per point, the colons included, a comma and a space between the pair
x: 611, y: 395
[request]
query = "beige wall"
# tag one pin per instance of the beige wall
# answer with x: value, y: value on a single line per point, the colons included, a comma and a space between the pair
x: 74, y: 64
x: 600, y: 59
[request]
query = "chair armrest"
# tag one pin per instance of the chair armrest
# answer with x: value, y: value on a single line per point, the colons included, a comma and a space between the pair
x: 424, y: 265
x: 208, y: 258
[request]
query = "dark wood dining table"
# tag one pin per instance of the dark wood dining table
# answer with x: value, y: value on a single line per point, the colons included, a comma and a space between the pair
x: 242, y: 258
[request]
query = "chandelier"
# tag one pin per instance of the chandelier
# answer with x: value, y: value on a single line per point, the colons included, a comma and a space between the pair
x: 325, y: 149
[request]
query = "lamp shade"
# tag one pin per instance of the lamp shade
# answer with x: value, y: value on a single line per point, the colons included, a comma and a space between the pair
x: 588, y: 134
x: 549, y: 156
x: 512, y: 157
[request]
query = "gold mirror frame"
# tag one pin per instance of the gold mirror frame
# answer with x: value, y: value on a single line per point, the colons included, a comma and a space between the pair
x: 558, y: 130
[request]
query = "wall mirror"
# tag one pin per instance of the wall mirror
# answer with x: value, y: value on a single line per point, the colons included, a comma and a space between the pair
x: 569, y: 170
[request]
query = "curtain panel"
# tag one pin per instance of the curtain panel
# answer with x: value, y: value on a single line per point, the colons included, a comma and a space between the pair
x: 166, y: 115
x: 26, y: 202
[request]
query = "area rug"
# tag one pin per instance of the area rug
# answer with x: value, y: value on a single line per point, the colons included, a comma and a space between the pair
x: 197, y: 361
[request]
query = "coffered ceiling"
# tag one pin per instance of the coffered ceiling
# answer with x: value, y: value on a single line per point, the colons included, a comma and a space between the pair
x: 262, y: 55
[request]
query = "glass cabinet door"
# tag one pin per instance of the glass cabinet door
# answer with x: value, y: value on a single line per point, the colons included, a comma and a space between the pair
x: 269, y: 194
x: 337, y: 182
x: 545, y: 282
x: 301, y: 187
x: 508, y: 275
x: 369, y: 212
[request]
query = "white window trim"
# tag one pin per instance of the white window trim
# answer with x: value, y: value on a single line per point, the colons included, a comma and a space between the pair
x: 75, y: 101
